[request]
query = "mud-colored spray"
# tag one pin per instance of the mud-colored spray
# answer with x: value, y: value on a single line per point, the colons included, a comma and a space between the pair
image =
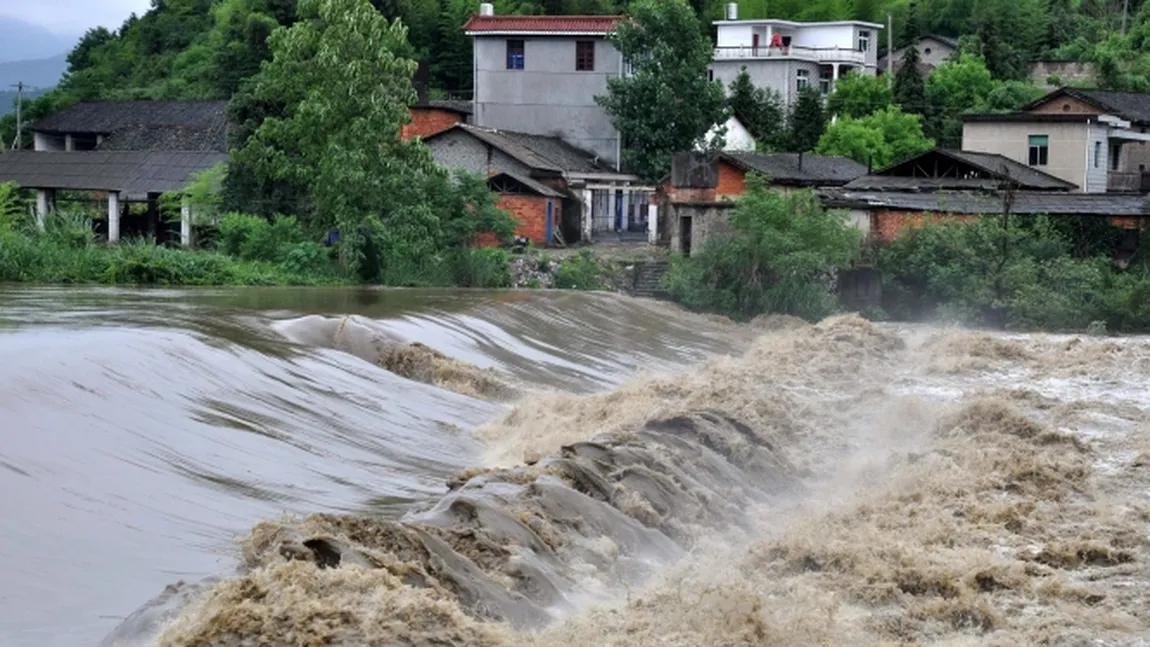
x: 836, y: 484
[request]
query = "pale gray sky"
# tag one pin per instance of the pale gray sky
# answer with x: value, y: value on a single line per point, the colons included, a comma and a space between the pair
x: 73, y: 17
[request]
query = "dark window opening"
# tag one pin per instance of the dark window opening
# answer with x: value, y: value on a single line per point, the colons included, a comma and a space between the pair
x: 515, y: 55
x: 585, y: 56
x: 1115, y: 157
x: 1039, y: 150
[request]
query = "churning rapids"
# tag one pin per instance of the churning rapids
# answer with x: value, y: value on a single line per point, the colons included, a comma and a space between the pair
x: 216, y: 468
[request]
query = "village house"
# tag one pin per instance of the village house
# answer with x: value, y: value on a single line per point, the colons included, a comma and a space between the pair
x: 694, y: 202
x: 430, y: 117
x: 787, y: 56
x: 964, y: 185
x: 1094, y: 139
x: 540, y: 75
x: 122, y: 155
x: 933, y: 50
x: 558, y: 193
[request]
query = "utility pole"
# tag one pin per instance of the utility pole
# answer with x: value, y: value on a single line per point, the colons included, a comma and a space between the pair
x: 890, y: 49
x: 1125, y: 12
x: 18, y: 143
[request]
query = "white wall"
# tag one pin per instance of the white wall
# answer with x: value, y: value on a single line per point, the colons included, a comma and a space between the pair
x: 737, y: 137
x: 735, y: 36
x: 822, y: 36
x: 42, y: 142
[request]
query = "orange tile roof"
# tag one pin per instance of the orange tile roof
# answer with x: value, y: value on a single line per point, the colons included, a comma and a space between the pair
x: 543, y: 24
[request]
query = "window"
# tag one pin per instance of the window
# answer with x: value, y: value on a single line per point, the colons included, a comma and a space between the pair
x: 515, y: 57
x: 864, y: 40
x: 710, y: 75
x: 1097, y: 154
x: 1039, y: 150
x: 585, y: 56
x: 802, y: 79
x: 826, y: 75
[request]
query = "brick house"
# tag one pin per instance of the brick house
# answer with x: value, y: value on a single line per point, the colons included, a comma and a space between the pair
x: 557, y: 192
x: 433, y: 117
x: 964, y: 185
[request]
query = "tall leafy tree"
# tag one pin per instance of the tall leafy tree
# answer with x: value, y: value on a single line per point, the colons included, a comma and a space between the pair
x: 666, y: 104
x: 807, y: 121
x: 878, y: 139
x: 909, y: 88
x: 858, y: 95
x: 760, y: 109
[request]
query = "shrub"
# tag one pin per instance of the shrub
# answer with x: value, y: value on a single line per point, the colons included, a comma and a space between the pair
x: 579, y: 272
x: 779, y: 258
x: 482, y: 268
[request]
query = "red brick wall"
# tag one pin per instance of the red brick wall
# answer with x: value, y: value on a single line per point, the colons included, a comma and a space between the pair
x: 889, y: 225
x: 732, y: 181
x: 530, y: 214
x: 426, y: 122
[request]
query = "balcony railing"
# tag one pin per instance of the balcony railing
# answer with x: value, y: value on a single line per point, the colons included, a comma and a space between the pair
x: 1121, y: 182
x: 817, y: 54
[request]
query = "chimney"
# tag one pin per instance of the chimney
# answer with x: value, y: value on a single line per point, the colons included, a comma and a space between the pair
x: 486, y: 9
x: 732, y: 11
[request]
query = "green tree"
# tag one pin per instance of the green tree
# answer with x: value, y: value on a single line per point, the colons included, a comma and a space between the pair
x: 881, y: 138
x: 666, y: 104
x: 779, y: 258
x: 909, y: 90
x: 759, y: 109
x: 957, y: 87
x: 858, y: 95
x: 807, y: 121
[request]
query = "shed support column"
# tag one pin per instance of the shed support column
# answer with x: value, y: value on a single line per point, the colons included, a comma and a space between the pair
x: 69, y: 143
x: 613, y: 208
x: 186, y: 223
x: 625, y: 220
x: 653, y: 224
x: 588, y: 213
x: 44, y: 200
x: 113, y: 217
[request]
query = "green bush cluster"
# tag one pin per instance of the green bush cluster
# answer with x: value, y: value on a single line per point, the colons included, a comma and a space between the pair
x: 1019, y: 273
x: 779, y: 257
x: 579, y: 272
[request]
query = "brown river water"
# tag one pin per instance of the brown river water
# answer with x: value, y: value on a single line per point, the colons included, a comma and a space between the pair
x: 433, y: 468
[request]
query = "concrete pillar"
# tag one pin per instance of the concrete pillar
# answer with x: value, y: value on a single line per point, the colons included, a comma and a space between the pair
x: 626, y: 208
x: 653, y: 224
x: 99, y: 139
x: 43, y: 200
x: 588, y: 213
x: 186, y: 223
x: 612, y: 200
x: 835, y: 71
x: 69, y: 143
x: 113, y: 216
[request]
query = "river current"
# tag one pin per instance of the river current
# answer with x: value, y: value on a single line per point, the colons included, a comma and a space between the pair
x: 405, y: 467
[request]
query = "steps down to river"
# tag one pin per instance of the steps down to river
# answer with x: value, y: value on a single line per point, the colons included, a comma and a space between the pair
x: 647, y: 278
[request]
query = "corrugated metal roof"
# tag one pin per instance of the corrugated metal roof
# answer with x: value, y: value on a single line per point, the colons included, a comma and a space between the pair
x: 542, y: 24
x: 1025, y: 202
x: 784, y: 168
x: 135, y: 172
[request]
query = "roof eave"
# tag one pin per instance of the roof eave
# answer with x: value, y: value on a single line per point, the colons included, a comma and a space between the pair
x: 536, y: 32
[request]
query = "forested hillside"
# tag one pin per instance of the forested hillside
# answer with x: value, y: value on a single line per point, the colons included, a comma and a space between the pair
x: 204, y: 49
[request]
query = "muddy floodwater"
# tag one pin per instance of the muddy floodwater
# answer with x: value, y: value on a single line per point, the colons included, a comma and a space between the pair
x: 408, y: 468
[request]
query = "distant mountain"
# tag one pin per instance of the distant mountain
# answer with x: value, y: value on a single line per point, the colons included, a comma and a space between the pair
x: 41, y: 73
x: 23, y: 41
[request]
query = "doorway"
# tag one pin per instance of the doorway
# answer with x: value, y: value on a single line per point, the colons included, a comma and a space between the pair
x: 685, y: 235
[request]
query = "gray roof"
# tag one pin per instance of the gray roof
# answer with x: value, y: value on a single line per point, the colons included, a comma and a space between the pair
x: 783, y: 168
x: 145, y: 125
x: 1132, y: 106
x: 134, y: 172
x: 538, y: 152
x: 914, y: 173
x: 971, y: 202
x: 534, y: 185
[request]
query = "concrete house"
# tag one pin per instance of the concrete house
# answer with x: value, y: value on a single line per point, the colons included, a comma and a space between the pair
x: 122, y: 155
x: 786, y: 56
x: 558, y: 193
x: 1094, y: 139
x: 540, y: 75
x: 932, y: 51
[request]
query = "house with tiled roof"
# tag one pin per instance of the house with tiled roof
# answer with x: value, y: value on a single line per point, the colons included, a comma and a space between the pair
x: 540, y: 75
x: 1095, y: 139
x: 135, y: 126
x: 557, y: 193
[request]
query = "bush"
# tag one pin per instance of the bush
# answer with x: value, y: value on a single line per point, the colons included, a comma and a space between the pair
x: 779, y: 258
x: 579, y: 272
x: 482, y: 268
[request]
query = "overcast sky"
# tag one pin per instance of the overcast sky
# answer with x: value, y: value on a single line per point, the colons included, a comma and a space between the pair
x: 73, y: 17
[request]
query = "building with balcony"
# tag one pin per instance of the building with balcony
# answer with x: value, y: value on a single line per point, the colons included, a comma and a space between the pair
x: 787, y: 56
x: 1094, y: 139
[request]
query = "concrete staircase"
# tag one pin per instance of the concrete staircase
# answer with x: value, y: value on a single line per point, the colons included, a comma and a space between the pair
x: 647, y: 277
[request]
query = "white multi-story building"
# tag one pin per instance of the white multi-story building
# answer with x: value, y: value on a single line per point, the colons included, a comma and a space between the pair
x: 786, y: 56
